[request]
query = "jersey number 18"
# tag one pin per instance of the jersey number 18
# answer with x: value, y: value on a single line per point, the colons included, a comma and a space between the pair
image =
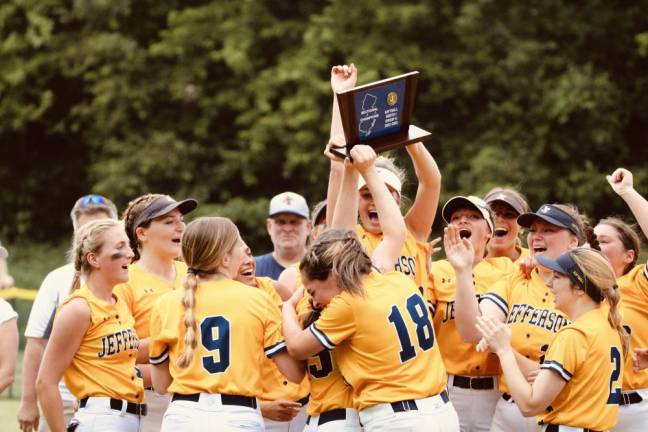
x: 418, y: 313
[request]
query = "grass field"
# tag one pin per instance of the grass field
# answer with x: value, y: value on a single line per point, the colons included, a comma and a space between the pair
x: 8, y: 409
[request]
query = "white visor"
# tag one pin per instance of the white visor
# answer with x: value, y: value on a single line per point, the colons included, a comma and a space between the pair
x: 388, y: 177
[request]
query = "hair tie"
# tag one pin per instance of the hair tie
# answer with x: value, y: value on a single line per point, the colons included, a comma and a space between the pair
x: 193, y: 271
x: 615, y: 287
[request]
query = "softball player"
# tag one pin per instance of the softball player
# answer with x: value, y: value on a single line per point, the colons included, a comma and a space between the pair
x: 208, y: 339
x: 621, y: 245
x: 524, y: 303
x: 283, y: 403
x: 93, y: 342
x: 505, y: 206
x: 378, y: 323
x: 580, y: 377
x: 154, y: 224
x: 472, y: 380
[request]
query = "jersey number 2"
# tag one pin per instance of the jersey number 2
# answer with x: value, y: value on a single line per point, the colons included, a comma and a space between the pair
x: 215, y: 337
x: 615, y: 390
x: 418, y: 312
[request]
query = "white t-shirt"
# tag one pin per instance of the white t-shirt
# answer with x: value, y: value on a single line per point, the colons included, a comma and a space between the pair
x: 6, y: 311
x: 54, y: 289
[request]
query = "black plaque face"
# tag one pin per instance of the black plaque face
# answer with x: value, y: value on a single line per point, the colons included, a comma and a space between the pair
x: 378, y: 114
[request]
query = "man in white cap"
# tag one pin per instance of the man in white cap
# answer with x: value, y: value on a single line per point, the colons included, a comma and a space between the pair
x: 288, y: 225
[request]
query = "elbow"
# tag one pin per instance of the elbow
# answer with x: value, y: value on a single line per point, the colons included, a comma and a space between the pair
x: 529, y: 409
x: 296, y: 352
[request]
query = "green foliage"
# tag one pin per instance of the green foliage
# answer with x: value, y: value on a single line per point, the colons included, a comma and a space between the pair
x: 229, y: 102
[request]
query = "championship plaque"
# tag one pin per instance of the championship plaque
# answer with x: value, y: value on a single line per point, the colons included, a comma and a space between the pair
x: 378, y: 114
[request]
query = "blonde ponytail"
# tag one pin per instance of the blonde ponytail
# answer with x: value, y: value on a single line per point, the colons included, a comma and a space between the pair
x: 190, y: 284
x: 88, y: 239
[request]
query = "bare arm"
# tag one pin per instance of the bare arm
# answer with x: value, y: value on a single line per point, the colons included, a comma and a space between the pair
x: 70, y: 326
x: 532, y: 399
x: 160, y: 377
x: 621, y: 182
x: 420, y: 216
x: 292, y: 369
x: 283, y: 290
x: 143, y: 351
x: 346, y: 207
x: 391, y: 219
x: 461, y: 256
x: 300, y: 342
x: 288, y: 279
x: 8, y: 352
x: 28, y: 414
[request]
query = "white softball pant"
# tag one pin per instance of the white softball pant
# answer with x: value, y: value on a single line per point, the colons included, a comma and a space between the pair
x: 633, y: 417
x: 475, y: 407
x: 340, y: 420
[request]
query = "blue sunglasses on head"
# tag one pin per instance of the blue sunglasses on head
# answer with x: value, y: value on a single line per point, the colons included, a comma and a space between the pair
x: 91, y: 199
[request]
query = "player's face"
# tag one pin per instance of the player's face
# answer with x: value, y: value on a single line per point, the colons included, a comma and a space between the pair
x: 564, y: 294
x: 367, y: 210
x: 612, y: 247
x: 472, y: 225
x: 506, y: 227
x: 163, y: 234
x: 288, y: 231
x: 549, y: 240
x: 235, y: 258
x: 321, y: 291
x: 115, y: 256
x: 247, y: 270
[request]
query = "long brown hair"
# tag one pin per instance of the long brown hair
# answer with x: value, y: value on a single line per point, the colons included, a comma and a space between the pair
x: 598, y: 271
x: 130, y: 215
x: 205, y: 243
x: 339, y: 253
x: 629, y: 238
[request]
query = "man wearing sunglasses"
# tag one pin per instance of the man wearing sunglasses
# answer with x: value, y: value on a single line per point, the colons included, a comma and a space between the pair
x: 53, y: 290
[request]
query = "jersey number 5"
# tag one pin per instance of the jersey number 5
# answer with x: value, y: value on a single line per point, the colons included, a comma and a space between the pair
x: 418, y: 312
x: 615, y: 389
x: 215, y: 337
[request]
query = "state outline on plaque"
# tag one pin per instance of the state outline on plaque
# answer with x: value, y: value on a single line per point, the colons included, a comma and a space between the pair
x: 368, y: 104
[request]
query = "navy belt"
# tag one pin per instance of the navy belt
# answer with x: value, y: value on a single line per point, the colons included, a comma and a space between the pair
x: 630, y: 398
x: 303, y: 401
x: 329, y: 416
x: 117, y: 405
x: 475, y: 383
x: 556, y: 428
x: 226, y: 399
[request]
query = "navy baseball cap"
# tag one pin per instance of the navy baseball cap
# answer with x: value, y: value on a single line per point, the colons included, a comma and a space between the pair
x: 553, y: 215
x: 567, y: 266
x: 162, y: 205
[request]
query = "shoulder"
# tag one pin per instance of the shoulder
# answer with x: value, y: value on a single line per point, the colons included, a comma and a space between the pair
x: 76, y: 306
x: 263, y: 258
x: 58, y: 278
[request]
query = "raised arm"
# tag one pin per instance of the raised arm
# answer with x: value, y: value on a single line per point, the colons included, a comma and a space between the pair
x: 346, y: 206
x: 70, y: 326
x: 420, y: 216
x: 391, y: 220
x: 461, y: 256
x: 343, y: 78
x: 622, y: 183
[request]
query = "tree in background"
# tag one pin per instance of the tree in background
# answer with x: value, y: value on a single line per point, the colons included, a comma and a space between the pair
x: 229, y: 101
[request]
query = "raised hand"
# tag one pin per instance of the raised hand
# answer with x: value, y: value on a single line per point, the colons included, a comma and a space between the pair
x: 495, y: 333
x: 621, y: 181
x: 363, y: 157
x: 460, y: 252
x: 337, y: 141
x: 343, y: 77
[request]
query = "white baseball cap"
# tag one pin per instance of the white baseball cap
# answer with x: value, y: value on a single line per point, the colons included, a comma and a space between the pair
x: 388, y: 177
x: 289, y: 202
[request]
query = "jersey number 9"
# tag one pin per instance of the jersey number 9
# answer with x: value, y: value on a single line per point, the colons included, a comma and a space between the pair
x: 418, y: 312
x: 215, y: 337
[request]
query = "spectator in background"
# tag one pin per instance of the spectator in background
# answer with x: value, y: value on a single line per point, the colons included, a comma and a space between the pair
x: 8, y: 337
x: 53, y: 290
x: 288, y: 225
x: 6, y: 281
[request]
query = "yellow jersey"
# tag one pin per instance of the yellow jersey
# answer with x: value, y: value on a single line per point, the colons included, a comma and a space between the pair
x: 587, y: 354
x: 530, y: 313
x: 328, y: 389
x: 634, y: 309
x: 236, y: 325
x: 142, y: 291
x: 462, y: 358
x: 524, y: 254
x: 104, y: 364
x: 384, y: 341
x: 274, y: 384
x: 412, y: 261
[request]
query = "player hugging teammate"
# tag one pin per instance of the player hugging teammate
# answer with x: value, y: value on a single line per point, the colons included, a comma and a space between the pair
x: 495, y: 337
